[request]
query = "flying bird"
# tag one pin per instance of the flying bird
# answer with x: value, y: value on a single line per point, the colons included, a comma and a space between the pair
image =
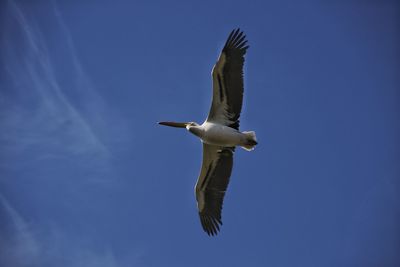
x: 220, y: 132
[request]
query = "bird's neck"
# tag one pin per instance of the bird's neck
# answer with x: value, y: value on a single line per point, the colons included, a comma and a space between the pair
x: 196, y: 130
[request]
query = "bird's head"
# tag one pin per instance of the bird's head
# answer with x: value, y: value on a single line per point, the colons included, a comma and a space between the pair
x: 177, y: 124
x: 186, y: 125
x: 192, y: 127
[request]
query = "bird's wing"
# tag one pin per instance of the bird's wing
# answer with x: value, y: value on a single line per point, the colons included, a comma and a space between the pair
x: 211, y: 186
x: 227, y: 75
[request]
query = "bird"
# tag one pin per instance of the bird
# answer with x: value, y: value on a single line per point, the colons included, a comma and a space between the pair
x: 220, y: 131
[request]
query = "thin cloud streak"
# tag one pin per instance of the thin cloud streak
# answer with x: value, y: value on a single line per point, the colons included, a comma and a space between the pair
x: 40, y: 71
x: 38, y: 112
x: 22, y: 249
x: 51, y: 248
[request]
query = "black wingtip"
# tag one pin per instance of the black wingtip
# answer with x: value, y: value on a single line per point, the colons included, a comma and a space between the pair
x: 236, y: 40
x: 211, y: 225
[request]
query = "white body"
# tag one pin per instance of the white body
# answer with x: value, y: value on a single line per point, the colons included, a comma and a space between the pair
x: 219, y: 133
x: 216, y: 134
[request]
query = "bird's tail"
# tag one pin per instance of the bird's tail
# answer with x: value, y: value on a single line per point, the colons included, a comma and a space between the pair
x: 251, y: 141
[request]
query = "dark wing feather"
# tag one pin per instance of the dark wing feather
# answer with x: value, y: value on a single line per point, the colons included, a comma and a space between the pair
x: 228, y: 85
x: 212, y: 184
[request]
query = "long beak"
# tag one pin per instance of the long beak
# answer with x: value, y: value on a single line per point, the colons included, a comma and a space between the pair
x: 174, y: 124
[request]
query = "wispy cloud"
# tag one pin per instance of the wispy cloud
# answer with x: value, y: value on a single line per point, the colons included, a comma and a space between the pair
x: 35, y: 72
x: 38, y: 112
x: 21, y: 248
x: 25, y: 247
x: 54, y: 134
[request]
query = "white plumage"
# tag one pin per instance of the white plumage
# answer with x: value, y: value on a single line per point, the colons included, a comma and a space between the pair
x: 220, y: 132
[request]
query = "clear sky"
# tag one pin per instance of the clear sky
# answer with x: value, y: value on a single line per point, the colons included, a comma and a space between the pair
x: 88, y: 179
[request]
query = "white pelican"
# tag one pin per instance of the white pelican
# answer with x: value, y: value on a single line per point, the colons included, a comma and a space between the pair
x: 220, y: 132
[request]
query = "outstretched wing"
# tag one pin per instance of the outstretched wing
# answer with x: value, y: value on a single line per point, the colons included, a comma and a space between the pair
x: 211, y: 186
x: 227, y: 76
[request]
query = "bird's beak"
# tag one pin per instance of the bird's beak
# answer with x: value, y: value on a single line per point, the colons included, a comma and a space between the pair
x: 174, y: 124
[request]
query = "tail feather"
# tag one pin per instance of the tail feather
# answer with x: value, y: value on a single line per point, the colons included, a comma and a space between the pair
x: 251, y: 141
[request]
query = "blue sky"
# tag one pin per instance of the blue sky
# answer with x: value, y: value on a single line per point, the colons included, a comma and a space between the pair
x: 87, y: 177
